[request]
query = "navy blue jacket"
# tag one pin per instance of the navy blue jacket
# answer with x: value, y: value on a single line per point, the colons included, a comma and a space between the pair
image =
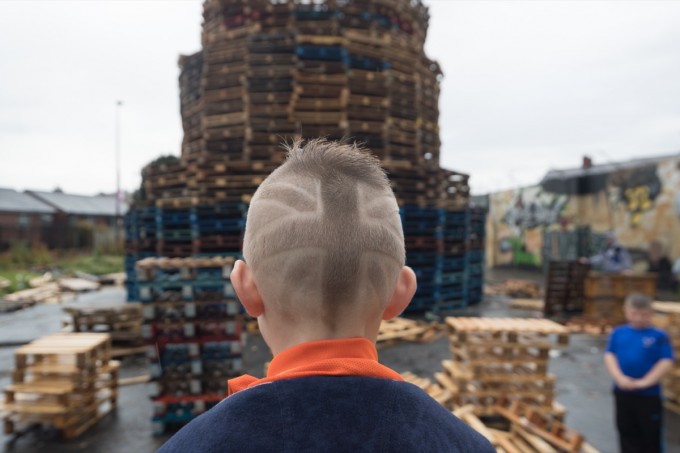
x: 328, y: 414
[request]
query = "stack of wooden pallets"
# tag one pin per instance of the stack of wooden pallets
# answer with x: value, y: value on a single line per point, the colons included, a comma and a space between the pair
x: 667, y: 317
x: 122, y: 322
x: 496, y: 359
x: 271, y: 72
x: 193, y: 332
x: 63, y: 380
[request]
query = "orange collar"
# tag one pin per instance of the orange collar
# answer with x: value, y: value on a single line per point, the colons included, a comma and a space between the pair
x: 343, y: 357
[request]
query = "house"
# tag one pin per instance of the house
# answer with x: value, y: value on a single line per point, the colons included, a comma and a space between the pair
x: 58, y: 220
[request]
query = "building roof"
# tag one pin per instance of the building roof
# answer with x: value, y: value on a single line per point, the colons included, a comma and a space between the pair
x: 606, y: 168
x: 99, y: 205
x: 13, y: 201
x: 581, y: 181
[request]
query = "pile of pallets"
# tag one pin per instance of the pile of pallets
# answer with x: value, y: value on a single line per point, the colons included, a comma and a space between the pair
x: 193, y: 332
x: 564, y: 288
x: 123, y: 322
x: 270, y: 72
x: 496, y: 359
x: 667, y: 317
x: 63, y: 380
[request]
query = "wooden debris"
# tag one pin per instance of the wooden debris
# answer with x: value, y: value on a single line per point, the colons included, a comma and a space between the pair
x: 441, y: 395
x: 515, y: 288
x: 40, y: 281
x: 527, y: 304
x: 143, y: 379
x: 4, y: 283
x: 525, y: 417
x: 28, y: 297
x: 590, y: 325
x: 77, y: 285
x: 402, y: 329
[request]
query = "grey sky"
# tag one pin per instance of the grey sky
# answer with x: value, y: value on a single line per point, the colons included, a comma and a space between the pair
x: 529, y: 85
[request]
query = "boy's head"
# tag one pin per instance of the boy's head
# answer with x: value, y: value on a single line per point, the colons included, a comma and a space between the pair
x: 638, y: 310
x: 323, y: 239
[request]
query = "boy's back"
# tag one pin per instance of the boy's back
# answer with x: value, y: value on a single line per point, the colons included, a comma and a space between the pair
x: 329, y: 414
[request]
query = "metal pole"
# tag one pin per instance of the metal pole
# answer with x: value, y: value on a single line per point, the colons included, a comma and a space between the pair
x: 118, y: 194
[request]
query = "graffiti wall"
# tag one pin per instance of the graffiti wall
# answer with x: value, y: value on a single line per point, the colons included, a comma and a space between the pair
x: 641, y: 203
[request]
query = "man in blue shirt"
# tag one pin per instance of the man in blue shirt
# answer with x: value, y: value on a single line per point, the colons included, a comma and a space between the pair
x: 638, y: 356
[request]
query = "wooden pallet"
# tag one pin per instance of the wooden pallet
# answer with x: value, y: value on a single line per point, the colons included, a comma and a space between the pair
x: 514, y: 329
x: 402, y: 329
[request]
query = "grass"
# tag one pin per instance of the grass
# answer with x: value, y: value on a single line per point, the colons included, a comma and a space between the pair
x: 21, y: 264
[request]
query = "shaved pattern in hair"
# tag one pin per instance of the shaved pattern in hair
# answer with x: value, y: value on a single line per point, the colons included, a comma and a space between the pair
x: 325, y: 227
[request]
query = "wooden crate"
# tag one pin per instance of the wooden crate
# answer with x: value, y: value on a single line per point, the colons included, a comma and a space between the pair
x: 605, y: 293
x: 122, y: 322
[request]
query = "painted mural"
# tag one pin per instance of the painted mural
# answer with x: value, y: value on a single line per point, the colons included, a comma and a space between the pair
x: 640, y: 204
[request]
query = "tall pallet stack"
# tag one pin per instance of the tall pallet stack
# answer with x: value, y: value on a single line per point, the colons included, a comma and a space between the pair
x: 667, y: 317
x: 270, y: 72
x: 193, y: 332
x: 564, y: 288
x: 496, y: 360
x: 63, y: 380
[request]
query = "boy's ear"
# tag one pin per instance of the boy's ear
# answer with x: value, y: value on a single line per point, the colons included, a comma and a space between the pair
x: 244, y: 285
x: 403, y: 293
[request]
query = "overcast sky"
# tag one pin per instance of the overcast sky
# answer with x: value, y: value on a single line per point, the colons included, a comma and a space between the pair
x: 529, y: 86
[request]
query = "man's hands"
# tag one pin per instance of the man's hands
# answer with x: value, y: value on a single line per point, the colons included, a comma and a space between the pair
x: 629, y: 383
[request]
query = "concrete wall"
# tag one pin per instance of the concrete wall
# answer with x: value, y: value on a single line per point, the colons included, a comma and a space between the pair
x: 640, y: 204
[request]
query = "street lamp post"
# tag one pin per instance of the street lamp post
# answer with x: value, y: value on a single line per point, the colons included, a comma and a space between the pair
x: 118, y: 194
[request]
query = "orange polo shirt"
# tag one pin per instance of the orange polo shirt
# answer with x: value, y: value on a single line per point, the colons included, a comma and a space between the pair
x: 342, y: 357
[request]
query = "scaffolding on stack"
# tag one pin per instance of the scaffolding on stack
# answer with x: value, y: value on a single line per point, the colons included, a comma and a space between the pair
x: 496, y: 360
x: 271, y: 72
x: 193, y: 332
x: 63, y: 380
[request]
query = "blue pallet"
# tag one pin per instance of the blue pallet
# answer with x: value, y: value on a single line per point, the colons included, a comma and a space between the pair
x: 368, y: 64
x: 321, y: 53
x: 451, y: 293
x: 426, y: 273
x: 452, y: 263
x: 475, y: 256
x: 422, y: 260
x: 220, y: 225
x: 475, y: 268
x: 449, y: 305
x: 410, y: 212
x: 452, y: 278
x: 301, y: 14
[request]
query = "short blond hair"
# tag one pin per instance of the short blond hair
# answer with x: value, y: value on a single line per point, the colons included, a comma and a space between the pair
x: 323, y: 231
x: 638, y: 301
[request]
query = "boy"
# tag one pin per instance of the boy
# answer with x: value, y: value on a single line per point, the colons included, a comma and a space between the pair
x: 638, y: 356
x: 324, y: 250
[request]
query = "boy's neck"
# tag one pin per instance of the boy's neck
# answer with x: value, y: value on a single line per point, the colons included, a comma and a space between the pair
x: 281, y: 337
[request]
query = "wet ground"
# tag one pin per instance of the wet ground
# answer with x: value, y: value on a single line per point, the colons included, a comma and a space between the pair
x: 583, y: 385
